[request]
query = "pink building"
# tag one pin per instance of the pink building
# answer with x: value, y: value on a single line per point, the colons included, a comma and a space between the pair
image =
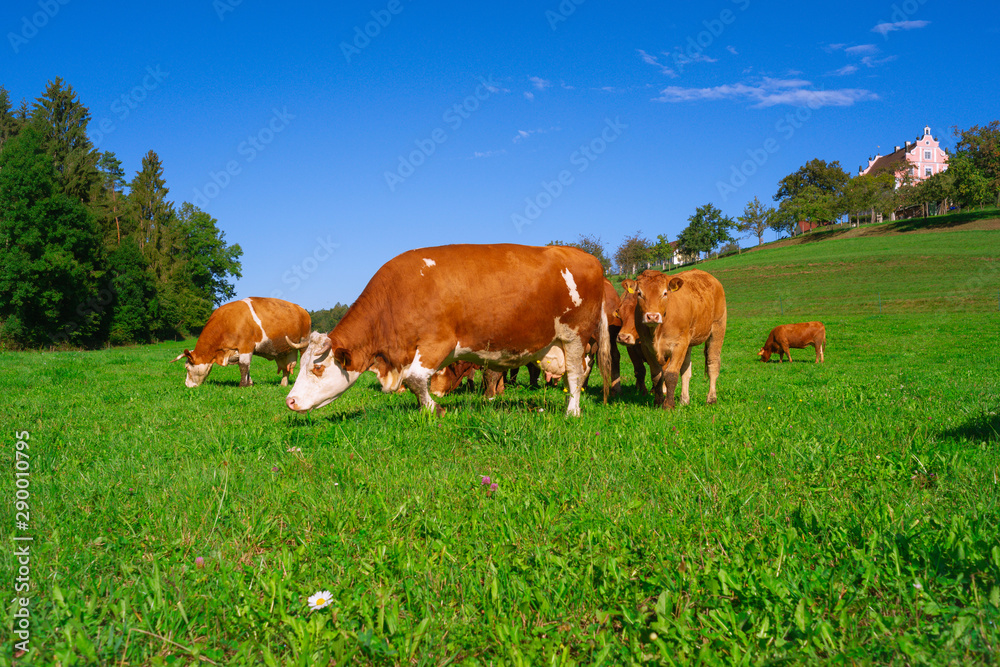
x: 924, y: 156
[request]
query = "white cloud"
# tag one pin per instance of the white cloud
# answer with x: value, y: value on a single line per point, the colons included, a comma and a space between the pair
x: 539, y: 83
x: 861, y: 48
x: 524, y: 134
x: 770, y: 92
x: 652, y: 60
x: 845, y: 70
x: 528, y: 95
x: 732, y: 50
x: 483, y: 154
x: 885, y: 28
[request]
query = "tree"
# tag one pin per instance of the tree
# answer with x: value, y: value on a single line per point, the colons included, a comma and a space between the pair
x: 109, y: 197
x: 972, y: 186
x: 982, y: 146
x: 872, y: 193
x: 150, y: 215
x: 634, y: 252
x: 755, y: 220
x: 591, y: 244
x: 827, y: 177
x: 49, y: 251
x: 661, y: 252
x: 9, y: 124
x: 706, y: 230
x: 134, y: 291
x: 326, y: 320
x: 813, y: 192
x: 206, y: 258
x: 63, y: 120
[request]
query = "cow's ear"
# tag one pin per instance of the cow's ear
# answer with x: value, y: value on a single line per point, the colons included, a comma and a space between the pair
x: 675, y: 284
x: 343, y: 357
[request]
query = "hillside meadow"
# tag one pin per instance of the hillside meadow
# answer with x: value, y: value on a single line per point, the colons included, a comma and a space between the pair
x: 843, y: 512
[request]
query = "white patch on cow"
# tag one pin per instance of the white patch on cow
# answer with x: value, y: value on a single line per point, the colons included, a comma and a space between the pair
x: 263, y: 347
x: 417, y: 371
x: 429, y: 262
x: 571, y: 284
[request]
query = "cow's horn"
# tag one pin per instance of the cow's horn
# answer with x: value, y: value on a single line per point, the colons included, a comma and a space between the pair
x: 177, y: 358
x: 301, y: 345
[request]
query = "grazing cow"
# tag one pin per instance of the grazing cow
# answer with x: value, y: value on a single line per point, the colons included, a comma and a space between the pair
x: 672, y: 315
x: 786, y: 336
x: 628, y: 335
x: 240, y: 329
x: 500, y: 306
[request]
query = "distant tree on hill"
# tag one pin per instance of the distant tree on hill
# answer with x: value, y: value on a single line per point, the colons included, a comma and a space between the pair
x: 661, y: 252
x: 813, y: 192
x: 326, y: 320
x: 982, y: 146
x: 755, y: 220
x: 706, y: 230
x: 591, y: 244
x: 633, y: 254
x: 873, y: 194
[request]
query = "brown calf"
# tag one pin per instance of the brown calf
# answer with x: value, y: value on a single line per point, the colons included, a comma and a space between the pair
x: 786, y: 336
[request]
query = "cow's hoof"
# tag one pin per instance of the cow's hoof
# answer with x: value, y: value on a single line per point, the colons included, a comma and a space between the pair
x: 712, y: 400
x: 439, y: 411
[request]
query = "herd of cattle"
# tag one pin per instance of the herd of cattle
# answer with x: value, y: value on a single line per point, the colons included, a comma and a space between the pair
x: 430, y: 317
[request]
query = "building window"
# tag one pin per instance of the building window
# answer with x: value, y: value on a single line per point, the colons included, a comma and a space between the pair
x: 927, y: 171
x: 927, y: 155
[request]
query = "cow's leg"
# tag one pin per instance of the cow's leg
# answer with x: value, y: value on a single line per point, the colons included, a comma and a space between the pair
x: 671, y: 374
x: 686, y: 379
x: 639, y: 364
x: 713, y: 361
x: 245, y: 379
x: 576, y: 374
x: 417, y: 378
x: 616, y: 359
x: 492, y: 383
x: 534, y: 372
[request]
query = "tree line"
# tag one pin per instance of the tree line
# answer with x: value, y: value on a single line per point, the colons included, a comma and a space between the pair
x: 822, y: 192
x: 87, y: 258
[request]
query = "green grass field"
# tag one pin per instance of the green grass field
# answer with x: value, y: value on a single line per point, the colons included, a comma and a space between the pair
x: 844, y: 512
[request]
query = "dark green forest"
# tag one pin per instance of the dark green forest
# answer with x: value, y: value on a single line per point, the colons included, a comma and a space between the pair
x: 88, y: 258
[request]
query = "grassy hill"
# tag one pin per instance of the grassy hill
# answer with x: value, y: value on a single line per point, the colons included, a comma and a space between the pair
x: 842, y: 512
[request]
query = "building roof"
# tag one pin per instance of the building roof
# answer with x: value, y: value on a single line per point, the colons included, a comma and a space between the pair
x: 891, y: 161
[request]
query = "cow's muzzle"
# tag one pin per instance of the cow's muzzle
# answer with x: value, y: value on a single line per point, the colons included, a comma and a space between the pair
x: 626, y: 339
x: 652, y: 318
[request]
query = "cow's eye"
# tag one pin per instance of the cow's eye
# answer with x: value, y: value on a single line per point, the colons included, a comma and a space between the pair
x: 664, y: 292
x: 317, y: 370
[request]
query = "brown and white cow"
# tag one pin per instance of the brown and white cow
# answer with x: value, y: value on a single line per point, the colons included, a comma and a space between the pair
x: 240, y: 329
x: 499, y: 306
x: 786, y: 336
x: 672, y: 315
x: 628, y: 335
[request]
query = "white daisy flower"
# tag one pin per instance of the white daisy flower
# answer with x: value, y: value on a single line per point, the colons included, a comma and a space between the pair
x: 319, y: 600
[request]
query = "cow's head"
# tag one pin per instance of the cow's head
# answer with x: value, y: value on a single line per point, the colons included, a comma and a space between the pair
x: 765, y: 353
x: 653, y: 291
x: 326, y: 373
x: 196, y: 372
x: 628, y: 335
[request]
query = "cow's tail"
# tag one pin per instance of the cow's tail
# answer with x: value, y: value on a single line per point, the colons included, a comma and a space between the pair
x: 604, y: 351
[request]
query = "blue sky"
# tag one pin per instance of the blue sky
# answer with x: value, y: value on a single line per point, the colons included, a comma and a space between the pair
x: 325, y: 151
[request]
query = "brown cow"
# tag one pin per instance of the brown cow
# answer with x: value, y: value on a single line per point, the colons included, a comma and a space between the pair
x: 240, y: 329
x: 628, y: 335
x: 786, y: 336
x: 672, y: 315
x: 500, y: 306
